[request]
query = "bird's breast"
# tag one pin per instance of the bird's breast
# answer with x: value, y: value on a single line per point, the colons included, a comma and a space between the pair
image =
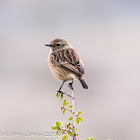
x: 59, y: 72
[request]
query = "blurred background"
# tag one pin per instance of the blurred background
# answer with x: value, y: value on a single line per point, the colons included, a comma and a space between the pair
x: 106, y: 35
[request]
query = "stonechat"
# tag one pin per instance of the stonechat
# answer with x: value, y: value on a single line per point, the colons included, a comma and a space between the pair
x: 65, y: 63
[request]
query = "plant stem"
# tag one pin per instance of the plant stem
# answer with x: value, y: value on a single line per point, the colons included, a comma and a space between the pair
x: 65, y: 108
x: 73, y: 110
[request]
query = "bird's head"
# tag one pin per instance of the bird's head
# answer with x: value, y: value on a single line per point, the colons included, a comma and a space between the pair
x: 58, y: 44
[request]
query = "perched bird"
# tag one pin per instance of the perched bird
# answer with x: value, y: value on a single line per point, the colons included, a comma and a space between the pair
x: 65, y: 63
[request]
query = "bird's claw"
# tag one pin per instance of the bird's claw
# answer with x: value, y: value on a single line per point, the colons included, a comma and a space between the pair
x: 59, y: 94
x: 59, y: 91
x: 70, y: 85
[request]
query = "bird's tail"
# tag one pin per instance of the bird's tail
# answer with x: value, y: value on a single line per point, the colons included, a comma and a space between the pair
x: 83, y: 83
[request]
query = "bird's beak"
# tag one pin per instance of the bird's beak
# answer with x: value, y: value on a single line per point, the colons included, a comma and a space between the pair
x: 48, y: 45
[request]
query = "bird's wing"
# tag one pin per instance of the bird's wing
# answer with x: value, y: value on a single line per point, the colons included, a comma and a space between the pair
x: 69, y: 60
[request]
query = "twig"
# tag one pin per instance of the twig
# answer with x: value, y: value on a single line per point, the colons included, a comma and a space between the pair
x: 73, y: 110
x: 65, y: 108
x: 66, y: 94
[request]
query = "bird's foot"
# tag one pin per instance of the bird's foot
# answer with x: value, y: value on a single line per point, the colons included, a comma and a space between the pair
x: 59, y: 91
x: 60, y: 94
x: 71, y: 85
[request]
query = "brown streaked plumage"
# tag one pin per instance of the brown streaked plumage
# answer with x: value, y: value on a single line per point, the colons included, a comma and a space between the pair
x: 64, y: 62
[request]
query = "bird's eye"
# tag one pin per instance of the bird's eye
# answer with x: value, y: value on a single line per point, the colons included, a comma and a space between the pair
x: 58, y: 45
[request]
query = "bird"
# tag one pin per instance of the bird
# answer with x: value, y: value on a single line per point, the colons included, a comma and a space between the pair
x: 64, y: 63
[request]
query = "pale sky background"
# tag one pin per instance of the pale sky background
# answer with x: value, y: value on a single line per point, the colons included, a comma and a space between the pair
x: 106, y: 35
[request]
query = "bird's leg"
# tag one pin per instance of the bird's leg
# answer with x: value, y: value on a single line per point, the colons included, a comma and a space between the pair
x: 61, y: 87
x: 71, y: 85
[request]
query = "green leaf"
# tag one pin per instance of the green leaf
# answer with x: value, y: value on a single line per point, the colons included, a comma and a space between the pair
x: 57, y: 95
x: 57, y: 132
x: 70, y: 106
x: 73, y: 131
x: 70, y: 134
x: 70, y: 118
x: 57, y: 124
x: 79, y: 112
x: 64, y: 137
x: 61, y: 96
x: 53, y: 127
x: 67, y: 103
x: 77, y: 120
x: 64, y: 102
x: 81, y: 119
x: 91, y: 138
x: 64, y: 111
